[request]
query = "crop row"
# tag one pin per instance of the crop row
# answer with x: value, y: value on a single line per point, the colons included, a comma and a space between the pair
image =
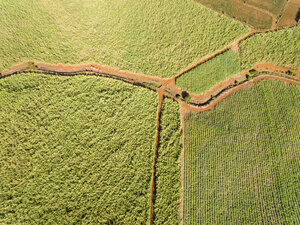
x: 75, y: 150
x: 242, y: 159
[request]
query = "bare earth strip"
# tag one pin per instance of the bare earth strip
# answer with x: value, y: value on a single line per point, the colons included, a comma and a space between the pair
x: 164, y: 87
x: 212, y: 104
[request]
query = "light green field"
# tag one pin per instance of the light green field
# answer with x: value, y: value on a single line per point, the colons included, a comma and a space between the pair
x: 209, y: 74
x: 75, y: 150
x: 280, y: 48
x: 159, y: 38
x: 80, y: 150
x: 168, y: 180
x: 242, y: 159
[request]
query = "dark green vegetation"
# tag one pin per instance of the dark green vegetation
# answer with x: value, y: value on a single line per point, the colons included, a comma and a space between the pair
x: 168, y: 182
x: 75, y: 150
x: 209, y: 74
x: 242, y: 159
x: 131, y: 35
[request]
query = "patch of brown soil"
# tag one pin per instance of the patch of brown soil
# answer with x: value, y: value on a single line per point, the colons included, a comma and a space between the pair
x: 89, y: 69
x: 289, y: 15
x: 235, y: 47
x: 268, y: 5
x: 246, y: 14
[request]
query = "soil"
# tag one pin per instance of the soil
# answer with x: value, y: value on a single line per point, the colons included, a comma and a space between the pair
x: 244, y: 12
x: 235, y: 47
x: 289, y: 15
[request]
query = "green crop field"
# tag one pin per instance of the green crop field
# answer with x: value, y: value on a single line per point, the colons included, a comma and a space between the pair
x: 159, y: 38
x: 75, y: 150
x: 280, y: 48
x: 209, y: 74
x: 96, y: 144
x: 168, y: 187
x: 242, y: 159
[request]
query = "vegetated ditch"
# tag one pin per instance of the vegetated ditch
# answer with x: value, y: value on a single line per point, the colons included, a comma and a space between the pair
x: 30, y: 67
x: 249, y: 78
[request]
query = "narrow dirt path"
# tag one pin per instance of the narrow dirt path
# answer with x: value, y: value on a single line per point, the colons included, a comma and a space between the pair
x: 75, y: 69
x: 164, y: 87
x: 234, y: 46
x: 231, y: 91
x: 153, y: 183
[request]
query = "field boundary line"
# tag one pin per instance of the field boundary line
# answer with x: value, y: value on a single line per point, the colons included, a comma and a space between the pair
x: 157, y: 138
x: 183, y: 116
x: 164, y: 87
x: 228, y: 47
x: 212, y: 103
x: 266, y: 12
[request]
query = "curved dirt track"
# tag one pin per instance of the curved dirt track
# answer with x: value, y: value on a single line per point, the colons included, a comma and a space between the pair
x: 164, y: 87
x: 264, y: 67
x: 231, y: 91
x: 234, y: 46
